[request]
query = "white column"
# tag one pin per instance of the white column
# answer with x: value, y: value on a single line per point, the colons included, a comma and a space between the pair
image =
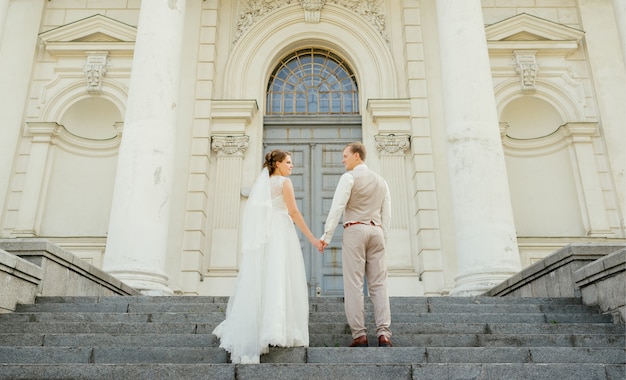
x: 4, y: 9
x: 486, y: 241
x: 619, y: 9
x: 608, y: 70
x: 138, y: 228
x: 20, y: 28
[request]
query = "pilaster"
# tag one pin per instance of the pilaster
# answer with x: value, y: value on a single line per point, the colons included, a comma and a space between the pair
x: 391, y: 117
x: 229, y: 141
x: 581, y: 138
x: 41, y: 139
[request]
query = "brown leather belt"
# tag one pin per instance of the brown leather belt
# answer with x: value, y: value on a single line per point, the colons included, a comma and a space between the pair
x: 353, y: 223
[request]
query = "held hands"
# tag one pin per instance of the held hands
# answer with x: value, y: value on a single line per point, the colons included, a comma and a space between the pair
x: 319, y: 245
x: 323, y: 245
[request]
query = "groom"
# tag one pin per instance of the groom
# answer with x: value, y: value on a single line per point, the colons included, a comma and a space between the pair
x: 363, y: 198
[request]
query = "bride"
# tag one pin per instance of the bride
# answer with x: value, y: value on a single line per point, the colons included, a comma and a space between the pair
x: 270, y: 303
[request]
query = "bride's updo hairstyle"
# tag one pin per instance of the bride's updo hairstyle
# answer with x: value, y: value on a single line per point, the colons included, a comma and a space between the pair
x: 273, y: 157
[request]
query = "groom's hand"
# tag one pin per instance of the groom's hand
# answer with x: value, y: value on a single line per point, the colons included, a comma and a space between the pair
x: 324, y: 244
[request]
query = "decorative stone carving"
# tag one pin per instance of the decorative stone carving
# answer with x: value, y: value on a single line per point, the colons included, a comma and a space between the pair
x: 312, y: 10
x: 230, y: 145
x: 392, y: 143
x: 526, y: 67
x: 94, y: 69
x: 369, y: 10
x: 250, y: 11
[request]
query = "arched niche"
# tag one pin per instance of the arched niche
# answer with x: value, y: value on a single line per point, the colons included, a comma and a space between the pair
x: 530, y: 117
x: 542, y: 176
x: 81, y: 170
x: 92, y: 118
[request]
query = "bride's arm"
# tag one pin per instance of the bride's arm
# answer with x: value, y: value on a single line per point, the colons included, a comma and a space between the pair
x: 296, y: 216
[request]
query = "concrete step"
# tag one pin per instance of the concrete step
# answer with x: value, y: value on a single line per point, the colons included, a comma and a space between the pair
x: 461, y: 317
x: 479, y: 328
x: 329, y: 327
x: 480, y: 340
x: 312, y: 301
x: 314, y: 371
x: 335, y: 307
x: 435, y: 337
x: 314, y: 328
x: 317, y: 340
x: 315, y: 317
x: 338, y: 355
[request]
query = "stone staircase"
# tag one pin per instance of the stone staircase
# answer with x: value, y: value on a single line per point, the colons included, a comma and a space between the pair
x: 140, y: 337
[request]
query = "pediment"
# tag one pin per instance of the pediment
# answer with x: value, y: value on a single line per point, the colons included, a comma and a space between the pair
x: 525, y: 31
x: 94, y: 32
x: 93, y: 28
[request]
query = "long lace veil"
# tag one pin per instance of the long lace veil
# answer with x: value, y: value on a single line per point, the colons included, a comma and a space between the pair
x: 240, y: 333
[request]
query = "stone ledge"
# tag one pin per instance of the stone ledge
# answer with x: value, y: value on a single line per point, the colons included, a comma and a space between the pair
x: 63, y: 273
x: 603, y: 283
x: 20, y: 280
x: 554, y: 276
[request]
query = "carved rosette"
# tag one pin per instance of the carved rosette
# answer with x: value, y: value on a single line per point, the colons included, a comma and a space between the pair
x: 94, y: 69
x: 526, y: 67
x: 392, y: 144
x: 230, y: 145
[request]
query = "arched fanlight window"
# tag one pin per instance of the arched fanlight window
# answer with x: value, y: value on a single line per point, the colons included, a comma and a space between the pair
x: 312, y: 82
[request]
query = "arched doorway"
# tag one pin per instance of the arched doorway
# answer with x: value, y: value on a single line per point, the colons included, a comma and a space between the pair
x: 313, y: 111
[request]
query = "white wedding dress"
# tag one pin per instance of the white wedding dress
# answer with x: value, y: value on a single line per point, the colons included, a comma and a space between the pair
x: 270, y: 304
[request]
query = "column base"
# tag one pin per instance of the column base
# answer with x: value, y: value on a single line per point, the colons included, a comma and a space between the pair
x: 148, y: 284
x: 476, y: 284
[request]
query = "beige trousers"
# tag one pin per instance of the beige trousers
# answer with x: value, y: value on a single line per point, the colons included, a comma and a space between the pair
x: 363, y: 253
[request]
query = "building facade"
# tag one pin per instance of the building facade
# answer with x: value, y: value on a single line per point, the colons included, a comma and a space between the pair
x: 132, y: 130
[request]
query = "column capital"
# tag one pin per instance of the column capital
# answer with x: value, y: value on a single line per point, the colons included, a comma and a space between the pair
x: 392, y: 143
x: 230, y: 145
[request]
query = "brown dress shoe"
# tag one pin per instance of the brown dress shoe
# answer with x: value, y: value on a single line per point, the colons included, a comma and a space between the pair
x: 383, y: 341
x: 360, y: 342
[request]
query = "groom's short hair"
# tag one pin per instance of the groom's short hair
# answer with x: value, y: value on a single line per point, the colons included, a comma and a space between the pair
x: 357, y: 147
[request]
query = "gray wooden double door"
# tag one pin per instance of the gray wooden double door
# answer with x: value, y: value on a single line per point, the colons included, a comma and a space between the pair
x: 316, y: 155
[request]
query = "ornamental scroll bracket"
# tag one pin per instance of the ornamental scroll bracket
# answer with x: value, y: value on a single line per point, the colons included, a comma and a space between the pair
x: 526, y: 67
x: 392, y: 143
x: 230, y: 145
x: 94, y: 69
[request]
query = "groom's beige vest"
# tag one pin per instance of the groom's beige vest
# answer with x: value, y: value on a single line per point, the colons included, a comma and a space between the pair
x: 366, y: 200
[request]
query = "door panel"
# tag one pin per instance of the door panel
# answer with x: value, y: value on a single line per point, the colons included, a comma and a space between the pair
x: 317, y: 169
x: 329, y: 263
